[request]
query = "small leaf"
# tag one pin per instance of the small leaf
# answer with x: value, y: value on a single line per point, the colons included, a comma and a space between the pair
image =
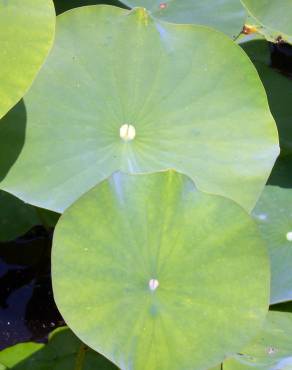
x: 59, y: 354
x: 273, y: 214
x: 26, y: 35
x: 155, y: 274
x: 270, y: 350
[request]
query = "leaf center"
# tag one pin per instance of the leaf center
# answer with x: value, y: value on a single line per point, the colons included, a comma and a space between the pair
x: 127, y: 132
x: 153, y: 284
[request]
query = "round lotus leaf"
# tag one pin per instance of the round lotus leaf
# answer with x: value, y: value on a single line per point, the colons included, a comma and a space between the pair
x: 123, y: 91
x: 60, y: 353
x: 26, y: 35
x: 274, y: 17
x: 16, y: 217
x: 270, y: 350
x: 227, y: 16
x: 278, y: 88
x: 273, y: 214
x: 155, y: 274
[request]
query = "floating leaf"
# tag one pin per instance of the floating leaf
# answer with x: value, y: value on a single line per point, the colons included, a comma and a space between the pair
x: 275, y: 18
x: 271, y: 350
x: 227, y: 16
x: 26, y: 35
x: 122, y: 91
x: 16, y: 217
x: 273, y: 214
x: 155, y: 274
x: 278, y: 88
x: 59, y: 354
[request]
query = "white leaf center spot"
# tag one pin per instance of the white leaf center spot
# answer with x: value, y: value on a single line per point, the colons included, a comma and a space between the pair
x: 153, y: 284
x: 127, y: 132
x: 289, y: 236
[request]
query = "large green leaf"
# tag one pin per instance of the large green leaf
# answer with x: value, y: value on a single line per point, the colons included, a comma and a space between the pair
x: 155, y: 274
x: 274, y: 217
x: 227, y: 16
x: 272, y: 348
x: 274, y: 16
x: 26, y: 34
x: 278, y: 88
x: 195, y: 108
x: 59, y: 354
x: 16, y: 217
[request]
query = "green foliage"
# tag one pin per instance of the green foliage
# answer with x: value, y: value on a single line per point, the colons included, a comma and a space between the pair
x: 227, y: 16
x: 154, y: 134
x: 81, y: 100
x: 270, y: 350
x: 274, y: 216
x: 61, y: 353
x: 26, y: 36
x: 274, y: 18
x: 171, y: 270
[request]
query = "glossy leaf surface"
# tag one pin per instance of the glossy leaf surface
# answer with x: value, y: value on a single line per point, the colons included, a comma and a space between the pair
x: 59, y: 354
x: 227, y: 16
x: 271, y: 350
x: 144, y: 265
x: 26, y: 35
x: 111, y: 68
x: 274, y: 16
x: 273, y: 214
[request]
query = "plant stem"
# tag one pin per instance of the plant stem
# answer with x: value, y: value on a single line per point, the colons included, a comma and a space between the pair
x: 80, y: 357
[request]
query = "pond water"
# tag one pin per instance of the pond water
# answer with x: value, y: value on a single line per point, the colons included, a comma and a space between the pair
x: 27, y: 308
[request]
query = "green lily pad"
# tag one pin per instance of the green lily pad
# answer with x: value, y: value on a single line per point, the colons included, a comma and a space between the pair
x: 271, y: 350
x: 26, y: 35
x: 227, y: 16
x: 59, y: 354
x: 16, y: 217
x: 275, y: 18
x: 116, y: 94
x: 273, y: 214
x: 278, y: 88
x: 144, y: 265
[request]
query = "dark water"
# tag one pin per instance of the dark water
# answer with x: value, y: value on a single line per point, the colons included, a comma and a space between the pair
x: 281, y: 57
x: 27, y: 308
